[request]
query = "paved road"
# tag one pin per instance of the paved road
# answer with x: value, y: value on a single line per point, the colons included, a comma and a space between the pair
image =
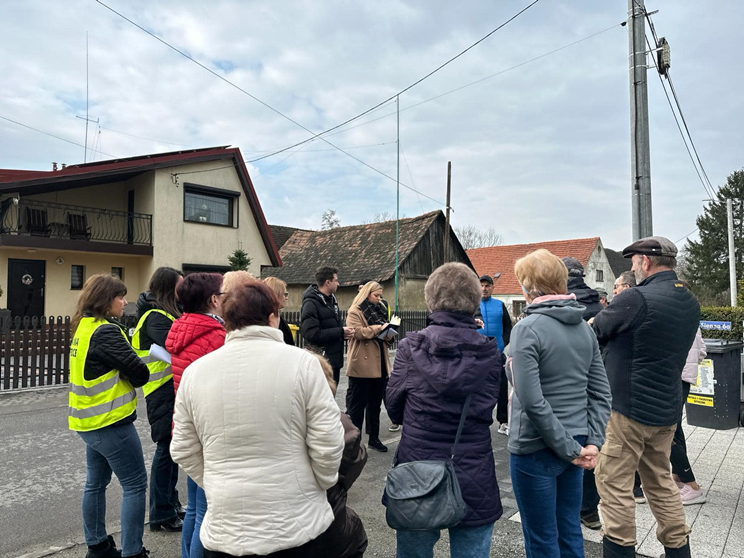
x: 42, y: 473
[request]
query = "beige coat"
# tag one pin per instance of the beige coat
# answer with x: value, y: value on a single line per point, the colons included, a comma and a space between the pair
x: 257, y: 427
x: 363, y: 358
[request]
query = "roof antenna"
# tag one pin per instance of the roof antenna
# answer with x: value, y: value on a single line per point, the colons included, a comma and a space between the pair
x: 87, y: 119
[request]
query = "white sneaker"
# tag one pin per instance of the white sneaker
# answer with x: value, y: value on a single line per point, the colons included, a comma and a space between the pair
x: 691, y: 496
x: 504, y: 429
x: 394, y: 428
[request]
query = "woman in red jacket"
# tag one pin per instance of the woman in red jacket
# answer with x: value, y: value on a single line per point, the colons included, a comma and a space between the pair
x: 199, y: 330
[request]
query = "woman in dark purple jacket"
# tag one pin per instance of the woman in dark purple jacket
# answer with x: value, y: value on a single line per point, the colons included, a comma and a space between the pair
x: 435, y: 370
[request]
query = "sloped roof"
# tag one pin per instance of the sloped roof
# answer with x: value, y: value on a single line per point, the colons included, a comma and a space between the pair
x: 360, y: 252
x: 102, y: 172
x: 501, y: 259
x: 617, y: 262
x: 282, y: 234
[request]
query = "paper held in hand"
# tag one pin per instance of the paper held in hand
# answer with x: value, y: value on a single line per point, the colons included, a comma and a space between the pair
x: 390, y: 330
x: 159, y: 353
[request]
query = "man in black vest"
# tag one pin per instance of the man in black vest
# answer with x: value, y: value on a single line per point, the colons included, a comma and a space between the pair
x: 647, y: 332
x: 320, y: 319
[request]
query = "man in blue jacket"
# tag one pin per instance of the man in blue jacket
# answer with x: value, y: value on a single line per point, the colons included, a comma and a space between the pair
x: 498, y: 325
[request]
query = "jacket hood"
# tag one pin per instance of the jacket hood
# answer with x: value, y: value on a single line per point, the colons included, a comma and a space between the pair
x: 145, y: 302
x: 255, y: 332
x: 452, y: 356
x: 189, y: 328
x: 583, y: 292
x: 564, y: 308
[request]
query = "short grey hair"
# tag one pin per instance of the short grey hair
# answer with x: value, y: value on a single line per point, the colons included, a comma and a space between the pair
x: 453, y: 287
x: 627, y: 278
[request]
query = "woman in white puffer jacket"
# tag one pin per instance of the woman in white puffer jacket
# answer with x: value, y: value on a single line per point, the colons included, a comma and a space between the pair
x: 258, y: 428
x: 689, y: 489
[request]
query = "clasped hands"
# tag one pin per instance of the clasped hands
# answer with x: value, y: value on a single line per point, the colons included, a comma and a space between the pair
x: 587, y: 458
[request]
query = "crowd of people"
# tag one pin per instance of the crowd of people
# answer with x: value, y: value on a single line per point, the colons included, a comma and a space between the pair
x: 589, y: 392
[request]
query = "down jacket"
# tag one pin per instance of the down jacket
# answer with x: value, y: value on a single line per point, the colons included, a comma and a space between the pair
x: 191, y: 337
x: 257, y: 427
x: 434, y: 371
x: 321, y: 325
x: 696, y: 355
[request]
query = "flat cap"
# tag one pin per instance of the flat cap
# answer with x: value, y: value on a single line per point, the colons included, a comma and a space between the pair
x: 651, y: 246
x: 575, y: 269
x: 486, y: 278
x: 601, y: 293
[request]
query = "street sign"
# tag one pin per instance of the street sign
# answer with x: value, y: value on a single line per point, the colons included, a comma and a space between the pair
x: 715, y: 326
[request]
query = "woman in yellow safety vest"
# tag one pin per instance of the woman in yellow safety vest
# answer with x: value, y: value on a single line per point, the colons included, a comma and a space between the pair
x: 157, y: 309
x: 104, y: 370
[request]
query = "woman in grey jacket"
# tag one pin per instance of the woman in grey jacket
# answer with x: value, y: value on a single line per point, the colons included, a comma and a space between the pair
x: 560, y: 408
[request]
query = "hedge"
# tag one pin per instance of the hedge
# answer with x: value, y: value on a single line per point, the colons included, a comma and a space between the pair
x: 724, y: 314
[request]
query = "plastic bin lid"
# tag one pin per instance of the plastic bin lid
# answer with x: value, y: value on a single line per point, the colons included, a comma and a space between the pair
x: 722, y: 345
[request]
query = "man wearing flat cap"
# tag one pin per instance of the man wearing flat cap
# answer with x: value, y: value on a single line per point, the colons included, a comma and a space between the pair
x: 647, y: 332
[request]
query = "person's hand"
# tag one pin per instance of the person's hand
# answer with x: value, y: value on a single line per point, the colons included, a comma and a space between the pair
x: 590, y: 321
x: 587, y: 459
x: 479, y: 323
x: 348, y: 333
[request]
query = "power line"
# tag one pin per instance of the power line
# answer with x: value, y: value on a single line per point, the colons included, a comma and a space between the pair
x: 684, y: 237
x: 480, y: 80
x: 50, y: 135
x: 318, y: 135
x: 147, y: 139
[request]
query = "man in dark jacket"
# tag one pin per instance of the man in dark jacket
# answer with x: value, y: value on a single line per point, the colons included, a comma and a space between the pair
x: 586, y: 296
x: 647, y: 332
x: 320, y: 319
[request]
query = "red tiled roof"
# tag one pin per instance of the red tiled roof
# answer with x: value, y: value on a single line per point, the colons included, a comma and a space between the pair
x: 501, y: 259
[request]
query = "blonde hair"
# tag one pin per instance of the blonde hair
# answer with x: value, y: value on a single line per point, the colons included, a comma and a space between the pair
x: 277, y: 285
x: 232, y: 279
x: 364, y: 293
x: 541, y: 273
x: 327, y: 370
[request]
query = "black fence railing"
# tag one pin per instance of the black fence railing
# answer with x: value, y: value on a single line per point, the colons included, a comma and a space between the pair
x: 34, y: 351
x: 55, y: 220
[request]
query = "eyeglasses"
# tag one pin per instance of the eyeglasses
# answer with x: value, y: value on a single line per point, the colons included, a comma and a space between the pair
x: 286, y: 295
x: 219, y: 294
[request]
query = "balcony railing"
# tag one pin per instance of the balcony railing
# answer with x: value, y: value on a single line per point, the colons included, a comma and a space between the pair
x: 56, y: 220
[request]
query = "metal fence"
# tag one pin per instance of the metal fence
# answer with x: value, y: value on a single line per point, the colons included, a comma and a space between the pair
x: 34, y: 351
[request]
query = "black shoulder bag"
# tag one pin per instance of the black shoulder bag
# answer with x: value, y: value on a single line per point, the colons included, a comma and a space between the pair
x: 425, y: 495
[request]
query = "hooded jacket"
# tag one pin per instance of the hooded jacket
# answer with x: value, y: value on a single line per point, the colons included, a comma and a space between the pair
x: 585, y: 296
x: 435, y: 370
x: 191, y: 337
x: 160, y: 402
x: 560, y: 385
x: 321, y: 326
x: 697, y: 353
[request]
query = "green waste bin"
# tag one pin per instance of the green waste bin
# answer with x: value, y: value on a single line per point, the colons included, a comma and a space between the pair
x: 715, y: 400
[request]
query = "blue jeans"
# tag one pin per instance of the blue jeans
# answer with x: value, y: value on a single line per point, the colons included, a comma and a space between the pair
x: 163, y: 479
x: 465, y: 542
x: 115, y: 448
x: 548, y: 492
x: 191, y: 546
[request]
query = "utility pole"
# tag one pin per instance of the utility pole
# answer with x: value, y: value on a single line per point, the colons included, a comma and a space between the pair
x: 397, y: 209
x: 640, y: 156
x: 447, y: 212
x: 732, y: 250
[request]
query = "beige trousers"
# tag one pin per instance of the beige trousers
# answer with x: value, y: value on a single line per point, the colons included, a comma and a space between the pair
x: 629, y: 447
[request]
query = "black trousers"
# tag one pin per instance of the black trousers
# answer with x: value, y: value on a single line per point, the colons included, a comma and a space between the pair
x: 336, y: 374
x: 502, y: 405
x: 366, y: 394
x: 680, y: 464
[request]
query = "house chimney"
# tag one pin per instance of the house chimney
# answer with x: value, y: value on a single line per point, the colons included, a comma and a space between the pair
x: 54, y: 166
x: 64, y: 166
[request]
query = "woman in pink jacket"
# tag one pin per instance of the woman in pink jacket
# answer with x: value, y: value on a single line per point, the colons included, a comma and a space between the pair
x: 689, y: 490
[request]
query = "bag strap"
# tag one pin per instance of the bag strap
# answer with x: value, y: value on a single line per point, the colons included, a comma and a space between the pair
x: 462, y: 422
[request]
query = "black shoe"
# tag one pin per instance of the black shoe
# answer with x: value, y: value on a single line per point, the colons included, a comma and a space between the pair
x: 591, y: 520
x: 377, y: 444
x: 172, y: 526
x: 144, y: 553
x: 180, y: 510
x: 613, y: 550
x: 638, y: 495
x: 683, y: 552
x: 106, y: 549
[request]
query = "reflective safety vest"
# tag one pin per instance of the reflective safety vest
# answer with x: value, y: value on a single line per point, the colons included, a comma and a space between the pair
x: 102, y: 401
x: 160, y: 372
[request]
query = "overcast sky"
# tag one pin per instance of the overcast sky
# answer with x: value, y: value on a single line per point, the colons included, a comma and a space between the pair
x: 540, y: 152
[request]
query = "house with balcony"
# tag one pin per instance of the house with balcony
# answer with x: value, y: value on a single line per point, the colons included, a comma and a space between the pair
x: 187, y: 209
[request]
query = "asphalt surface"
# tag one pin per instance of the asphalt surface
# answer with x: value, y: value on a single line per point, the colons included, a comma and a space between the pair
x: 42, y: 473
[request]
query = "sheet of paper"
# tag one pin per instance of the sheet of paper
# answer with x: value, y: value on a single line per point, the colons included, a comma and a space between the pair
x: 159, y: 353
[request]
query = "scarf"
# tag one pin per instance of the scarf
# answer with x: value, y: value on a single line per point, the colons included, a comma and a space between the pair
x: 375, y: 314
